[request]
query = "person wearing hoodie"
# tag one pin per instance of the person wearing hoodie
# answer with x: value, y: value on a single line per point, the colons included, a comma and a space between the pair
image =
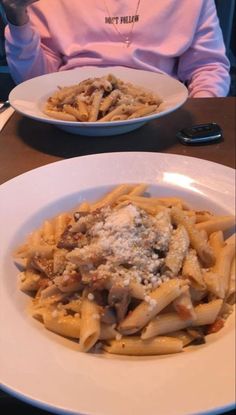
x: 181, y: 38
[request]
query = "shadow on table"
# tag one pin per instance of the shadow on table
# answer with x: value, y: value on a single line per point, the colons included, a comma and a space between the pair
x: 156, y: 136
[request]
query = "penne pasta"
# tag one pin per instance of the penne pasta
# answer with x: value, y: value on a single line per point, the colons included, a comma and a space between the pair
x: 118, y: 111
x: 48, y: 232
x: 83, y: 110
x: 94, y: 110
x: 144, y: 312
x: 145, y: 110
x: 145, y: 206
x: 166, y: 323
x: 128, y: 273
x: 163, y: 324
x: 206, y: 313
x: 197, y: 240
x: 138, y: 190
x: 178, y: 249
x: 109, y: 100
x: 203, y: 216
x: 137, y: 290
x: 119, y: 117
x: 212, y: 278
x: 83, y: 208
x: 183, y: 305
x: 231, y: 293
x: 90, y: 324
x: 67, y: 326
x: 60, y: 223
x: 29, y: 281
x: 218, y: 223
x: 101, y: 100
x: 69, y: 109
x: 108, y: 332
x: 138, y: 347
x: 223, y: 264
x: 214, y: 283
x: 216, y: 241
x: 182, y: 335
x: 59, y: 115
x: 131, y: 197
x: 112, y: 196
x: 192, y: 270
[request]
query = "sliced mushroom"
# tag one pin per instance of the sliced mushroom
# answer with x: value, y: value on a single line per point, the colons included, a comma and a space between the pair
x: 108, y: 315
x: 70, y: 240
x: 44, y: 265
x: 197, y: 335
x: 119, y: 297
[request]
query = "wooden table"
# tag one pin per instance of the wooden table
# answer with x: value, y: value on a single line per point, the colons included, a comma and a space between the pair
x: 26, y: 144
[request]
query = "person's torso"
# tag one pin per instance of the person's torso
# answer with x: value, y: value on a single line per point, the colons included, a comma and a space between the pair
x: 146, y: 34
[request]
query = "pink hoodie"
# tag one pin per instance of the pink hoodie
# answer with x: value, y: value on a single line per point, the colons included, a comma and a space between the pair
x: 179, y: 37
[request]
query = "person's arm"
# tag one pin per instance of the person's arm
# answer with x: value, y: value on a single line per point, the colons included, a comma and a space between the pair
x: 204, y: 66
x: 28, y: 55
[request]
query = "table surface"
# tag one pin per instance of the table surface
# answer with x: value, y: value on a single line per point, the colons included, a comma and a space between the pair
x: 26, y: 144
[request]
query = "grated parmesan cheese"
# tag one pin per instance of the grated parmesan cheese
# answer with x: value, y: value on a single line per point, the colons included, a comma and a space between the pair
x: 125, y: 242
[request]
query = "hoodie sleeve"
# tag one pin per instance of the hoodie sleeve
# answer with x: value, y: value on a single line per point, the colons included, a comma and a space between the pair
x: 204, y: 66
x: 27, y: 56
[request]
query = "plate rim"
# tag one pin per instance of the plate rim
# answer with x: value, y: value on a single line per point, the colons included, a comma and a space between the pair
x: 49, y: 165
x: 230, y: 170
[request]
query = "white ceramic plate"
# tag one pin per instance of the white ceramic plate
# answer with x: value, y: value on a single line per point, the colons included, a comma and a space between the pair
x: 29, y: 97
x: 47, y: 370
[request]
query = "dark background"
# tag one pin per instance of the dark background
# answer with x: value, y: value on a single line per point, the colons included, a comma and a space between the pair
x: 227, y: 15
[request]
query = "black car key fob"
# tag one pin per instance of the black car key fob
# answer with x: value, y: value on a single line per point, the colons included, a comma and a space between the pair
x: 200, y: 134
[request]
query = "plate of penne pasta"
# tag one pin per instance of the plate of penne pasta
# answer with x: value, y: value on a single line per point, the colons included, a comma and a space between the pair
x: 99, y: 101
x: 119, y: 285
